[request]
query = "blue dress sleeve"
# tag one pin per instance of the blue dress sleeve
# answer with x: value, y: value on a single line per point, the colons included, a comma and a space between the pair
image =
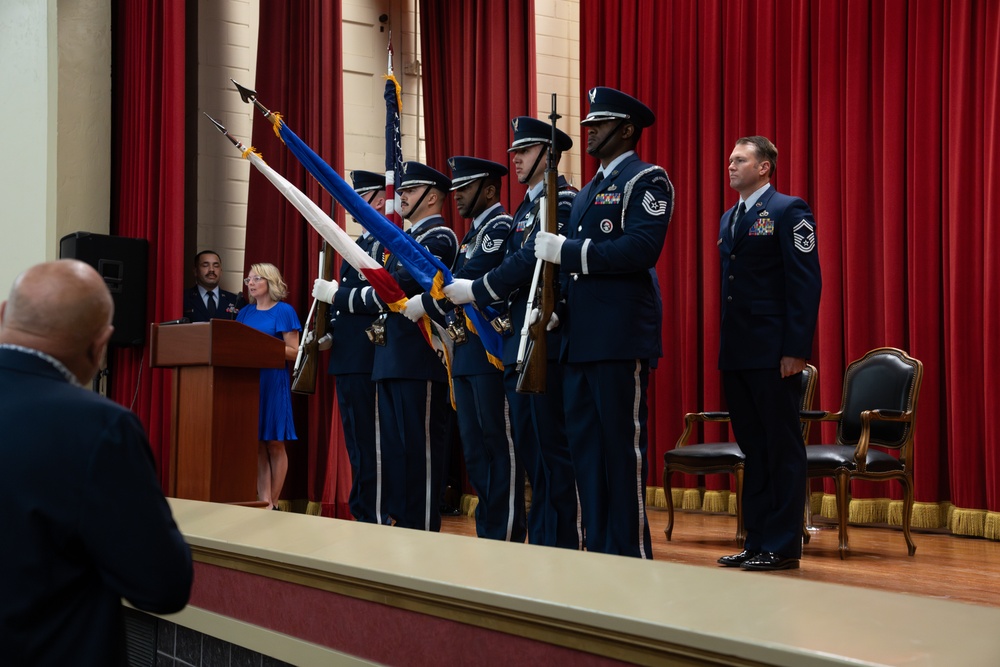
x: 286, y: 319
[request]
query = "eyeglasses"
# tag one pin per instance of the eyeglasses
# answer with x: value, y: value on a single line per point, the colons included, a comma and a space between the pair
x: 253, y: 279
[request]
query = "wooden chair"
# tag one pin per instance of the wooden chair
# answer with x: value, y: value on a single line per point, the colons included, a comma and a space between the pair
x: 877, y: 416
x: 719, y: 457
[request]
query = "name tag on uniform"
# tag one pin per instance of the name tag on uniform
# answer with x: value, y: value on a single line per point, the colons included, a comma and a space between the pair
x: 762, y: 227
x: 608, y: 198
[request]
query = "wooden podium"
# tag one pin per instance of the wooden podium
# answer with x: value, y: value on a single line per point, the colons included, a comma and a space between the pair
x: 216, y: 403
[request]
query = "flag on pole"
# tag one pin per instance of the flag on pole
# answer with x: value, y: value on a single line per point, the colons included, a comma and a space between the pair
x: 429, y: 271
x: 393, y: 142
x: 384, y: 285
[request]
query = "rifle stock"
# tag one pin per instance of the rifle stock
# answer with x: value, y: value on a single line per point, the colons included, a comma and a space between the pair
x: 304, y: 372
x: 533, y: 370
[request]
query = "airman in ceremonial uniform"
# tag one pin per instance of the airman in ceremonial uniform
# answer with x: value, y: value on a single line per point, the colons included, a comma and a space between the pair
x: 483, y: 416
x: 611, y: 321
x: 539, y: 429
x: 351, y: 359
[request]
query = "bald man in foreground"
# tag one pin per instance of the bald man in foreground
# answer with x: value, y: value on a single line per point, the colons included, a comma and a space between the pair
x: 83, y: 519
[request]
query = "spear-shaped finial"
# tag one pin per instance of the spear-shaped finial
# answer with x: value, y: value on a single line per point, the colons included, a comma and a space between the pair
x: 222, y: 128
x: 250, y: 97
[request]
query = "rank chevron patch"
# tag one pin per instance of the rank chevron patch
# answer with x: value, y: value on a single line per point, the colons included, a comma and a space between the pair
x: 804, y: 236
x: 652, y: 205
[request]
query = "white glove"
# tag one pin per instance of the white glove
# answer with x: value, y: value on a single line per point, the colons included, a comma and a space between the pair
x: 324, y: 290
x: 553, y: 319
x: 414, y: 308
x: 549, y: 246
x: 459, y: 292
x: 308, y: 338
x: 326, y: 342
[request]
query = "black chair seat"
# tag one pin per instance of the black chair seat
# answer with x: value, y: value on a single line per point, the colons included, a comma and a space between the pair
x: 831, y: 457
x: 706, y: 455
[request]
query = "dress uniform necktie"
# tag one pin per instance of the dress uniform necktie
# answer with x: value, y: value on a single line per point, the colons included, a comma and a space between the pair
x: 740, y: 211
x: 598, y: 178
x: 211, y: 303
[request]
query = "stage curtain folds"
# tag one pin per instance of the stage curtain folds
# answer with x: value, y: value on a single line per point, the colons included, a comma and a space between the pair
x: 148, y: 191
x: 885, y: 118
x: 478, y: 64
x: 299, y: 74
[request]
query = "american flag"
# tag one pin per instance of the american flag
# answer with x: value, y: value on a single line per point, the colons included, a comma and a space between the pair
x: 393, y: 147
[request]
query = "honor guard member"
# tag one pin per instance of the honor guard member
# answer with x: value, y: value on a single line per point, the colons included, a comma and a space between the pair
x: 770, y: 302
x: 206, y: 300
x: 612, y: 321
x: 483, y: 416
x: 537, y: 419
x: 414, y: 406
x: 351, y: 359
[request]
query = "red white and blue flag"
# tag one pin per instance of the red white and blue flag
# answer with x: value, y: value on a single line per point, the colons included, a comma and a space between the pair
x: 393, y: 143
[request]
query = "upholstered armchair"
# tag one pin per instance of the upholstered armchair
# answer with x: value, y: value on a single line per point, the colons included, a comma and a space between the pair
x: 718, y: 457
x: 874, y: 432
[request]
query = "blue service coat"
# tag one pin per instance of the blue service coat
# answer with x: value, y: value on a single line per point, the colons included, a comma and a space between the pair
x: 614, y: 238
x: 770, y: 284
x: 406, y: 354
x: 511, y: 280
x: 481, y: 250
x: 227, y: 308
x: 350, y: 315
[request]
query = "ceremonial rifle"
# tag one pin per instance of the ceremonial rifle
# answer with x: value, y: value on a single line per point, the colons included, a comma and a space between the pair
x: 307, y: 360
x: 532, y: 357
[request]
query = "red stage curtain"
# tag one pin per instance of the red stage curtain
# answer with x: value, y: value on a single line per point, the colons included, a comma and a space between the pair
x: 299, y: 73
x: 478, y: 73
x: 147, y: 194
x: 885, y: 116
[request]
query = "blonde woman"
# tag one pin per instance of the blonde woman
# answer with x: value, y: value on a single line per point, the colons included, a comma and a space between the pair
x: 268, y: 313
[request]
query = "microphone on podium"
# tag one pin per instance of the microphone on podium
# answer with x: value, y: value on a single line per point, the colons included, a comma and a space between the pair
x: 182, y: 320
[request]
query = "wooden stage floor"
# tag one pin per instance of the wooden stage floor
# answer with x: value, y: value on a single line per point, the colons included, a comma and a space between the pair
x: 945, y: 566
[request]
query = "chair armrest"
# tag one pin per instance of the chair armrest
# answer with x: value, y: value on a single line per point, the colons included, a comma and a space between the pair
x: 867, y: 417
x: 691, y: 418
x: 819, y: 415
x: 707, y: 416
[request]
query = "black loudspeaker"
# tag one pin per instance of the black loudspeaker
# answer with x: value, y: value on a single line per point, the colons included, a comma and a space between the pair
x: 122, y: 263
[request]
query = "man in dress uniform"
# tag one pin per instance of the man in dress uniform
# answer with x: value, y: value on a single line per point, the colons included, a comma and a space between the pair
x: 206, y: 300
x: 351, y: 359
x: 611, y: 321
x: 537, y: 419
x: 412, y: 381
x: 483, y: 420
x: 770, y: 302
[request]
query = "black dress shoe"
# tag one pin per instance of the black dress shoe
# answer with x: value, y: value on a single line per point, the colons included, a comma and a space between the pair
x: 768, y: 561
x: 448, y: 510
x: 736, y: 560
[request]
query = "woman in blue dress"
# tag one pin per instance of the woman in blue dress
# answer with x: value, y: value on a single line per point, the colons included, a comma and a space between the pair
x: 269, y: 314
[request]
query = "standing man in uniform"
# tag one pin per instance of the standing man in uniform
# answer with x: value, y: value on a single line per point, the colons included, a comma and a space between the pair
x: 770, y: 302
x: 483, y: 416
x: 412, y: 381
x: 537, y: 419
x: 352, y: 356
x: 612, y: 321
x: 206, y: 300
